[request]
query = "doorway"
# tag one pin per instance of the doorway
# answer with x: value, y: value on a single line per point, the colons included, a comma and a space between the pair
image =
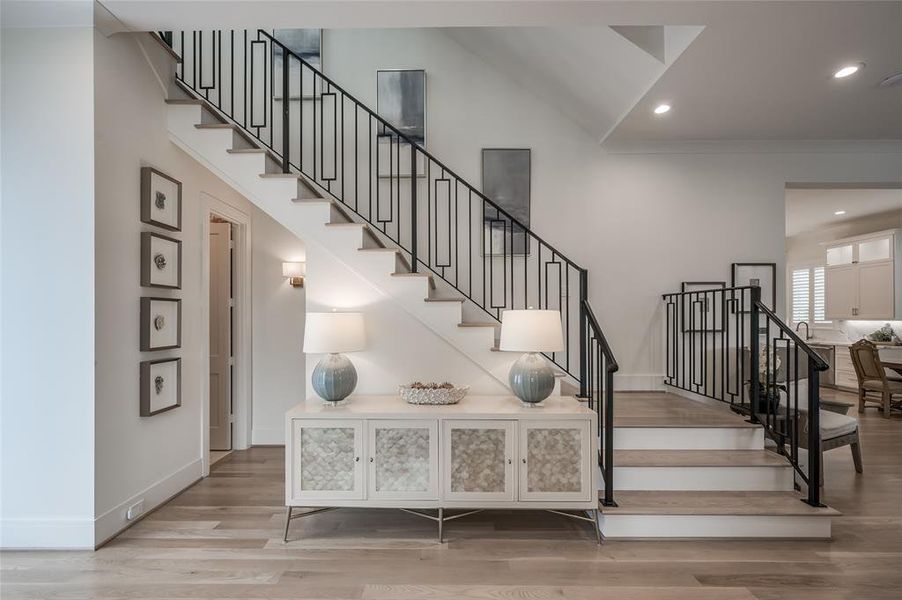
x: 221, y: 347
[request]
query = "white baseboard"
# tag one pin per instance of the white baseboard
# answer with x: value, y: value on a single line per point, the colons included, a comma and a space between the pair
x: 268, y: 437
x: 113, y: 521
x: 47, y: 534
x: 633, y: 382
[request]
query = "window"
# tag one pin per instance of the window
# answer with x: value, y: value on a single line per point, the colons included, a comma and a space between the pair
x: 808, y: 295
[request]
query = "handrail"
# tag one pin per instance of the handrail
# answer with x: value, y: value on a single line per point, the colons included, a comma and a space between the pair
x: 419, y: 148
x: 819, y: 363
x: 612, y: 365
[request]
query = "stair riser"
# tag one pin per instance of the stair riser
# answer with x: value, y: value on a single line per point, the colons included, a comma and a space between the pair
x: 760, y: 479
x: 714, y: 526
x: 688, y: 438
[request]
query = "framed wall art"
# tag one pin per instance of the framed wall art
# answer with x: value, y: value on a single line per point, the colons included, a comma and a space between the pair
x: 506, y: 182
x: 401, y: 100
x: 703, y: 312
x: 161, y: 386
x: 161, y: 261
x: 161, y: 323
x: 161, y: 200
x: 763, y: 275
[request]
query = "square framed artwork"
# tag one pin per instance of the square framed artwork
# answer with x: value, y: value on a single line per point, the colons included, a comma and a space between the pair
x: 763, y: 275
x: 161, y: 200
x: 161, y: 386
x: 703, y: 312
x: 401, y: 100
x: 506, y: 181
x: 161, y: 324
x: 161, y: 261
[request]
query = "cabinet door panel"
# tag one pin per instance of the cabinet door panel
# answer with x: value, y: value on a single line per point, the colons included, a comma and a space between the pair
x: 555, y: 460
x: 326, y: 459
x: 478, y: 460
x: 402, y: 459
x: 841, y: 291
x: 875, y: 291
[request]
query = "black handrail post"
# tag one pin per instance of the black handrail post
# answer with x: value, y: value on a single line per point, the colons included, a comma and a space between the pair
x: 754, y: 350
x: 609, y: 436
x: 583, y: 334
x: 413, y: 208
x: 814, y: 436
x: 286, y: 110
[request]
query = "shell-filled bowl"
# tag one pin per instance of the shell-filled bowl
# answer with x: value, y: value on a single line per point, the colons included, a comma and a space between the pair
x: 434, y: 394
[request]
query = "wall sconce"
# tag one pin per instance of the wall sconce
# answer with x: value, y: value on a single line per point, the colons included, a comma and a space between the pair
x: 294, y: 272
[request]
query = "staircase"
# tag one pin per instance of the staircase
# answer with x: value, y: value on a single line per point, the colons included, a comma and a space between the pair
x: 340, y: 177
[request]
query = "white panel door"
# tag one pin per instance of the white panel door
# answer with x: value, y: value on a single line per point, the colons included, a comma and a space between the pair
x: 220, y: 337
x: 326, y: 460
x: 875, y: 291
x: 841, y: 291
x: 402, y: 459
x: 556, y: 460
x: 478, y: 460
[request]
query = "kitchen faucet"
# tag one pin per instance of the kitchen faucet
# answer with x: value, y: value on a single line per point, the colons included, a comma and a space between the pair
x: 807, y: 334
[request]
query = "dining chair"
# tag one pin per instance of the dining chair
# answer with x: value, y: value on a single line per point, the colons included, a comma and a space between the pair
x: 873, y: 383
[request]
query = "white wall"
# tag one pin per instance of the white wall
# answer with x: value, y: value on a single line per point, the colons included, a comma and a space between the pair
x: 155, y: 457
x: 278, y: 317
x: 48, y: 288
x: 399, y: 348
x: 642, y: 220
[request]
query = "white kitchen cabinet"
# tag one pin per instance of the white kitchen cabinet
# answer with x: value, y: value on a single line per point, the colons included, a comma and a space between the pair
x: 863, y: 277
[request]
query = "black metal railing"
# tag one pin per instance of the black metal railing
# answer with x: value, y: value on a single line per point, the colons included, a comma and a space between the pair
x: 598, y: 388
x: 725, y: 344
x: 383, y: 176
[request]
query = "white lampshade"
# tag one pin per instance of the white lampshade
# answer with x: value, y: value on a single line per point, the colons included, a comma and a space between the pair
x: 334, y: 332
x: 293, y: 269
x: 531, y: 331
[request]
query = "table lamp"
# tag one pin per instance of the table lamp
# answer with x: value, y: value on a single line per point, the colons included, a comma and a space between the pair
x: 332, y: 333
x: 531, y: 331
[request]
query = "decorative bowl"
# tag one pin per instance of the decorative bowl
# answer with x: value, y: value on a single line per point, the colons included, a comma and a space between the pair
x: 432, y: 395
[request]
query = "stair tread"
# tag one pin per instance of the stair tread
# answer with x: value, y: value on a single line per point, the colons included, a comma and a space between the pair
x: 783, y: 504
x: 180, y: 101
x: 477, y: 325
x: 214, y: 126
x: 659, y: 410
x: 698, y: 458
x: 459, y: 300
x: 280, y: 176
x: 246, y: 151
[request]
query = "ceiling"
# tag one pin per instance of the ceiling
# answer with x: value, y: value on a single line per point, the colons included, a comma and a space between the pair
x: 811, y: 209
x: 756, y: 70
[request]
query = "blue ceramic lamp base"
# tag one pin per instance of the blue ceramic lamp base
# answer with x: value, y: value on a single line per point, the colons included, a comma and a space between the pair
x: 334, y: 378
x: 531, y: 379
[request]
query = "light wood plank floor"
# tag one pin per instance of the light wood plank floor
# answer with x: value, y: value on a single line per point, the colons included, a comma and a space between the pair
x: 222, y: 539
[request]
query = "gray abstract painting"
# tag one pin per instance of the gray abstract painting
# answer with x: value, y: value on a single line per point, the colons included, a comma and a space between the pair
x: 306, y: 43
x: 506, y: 182
x: 401, y: 100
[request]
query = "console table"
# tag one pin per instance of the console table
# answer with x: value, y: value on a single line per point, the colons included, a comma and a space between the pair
x: 485, y: 452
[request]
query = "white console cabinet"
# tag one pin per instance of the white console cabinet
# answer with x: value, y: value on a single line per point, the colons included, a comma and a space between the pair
x: 485, y: 452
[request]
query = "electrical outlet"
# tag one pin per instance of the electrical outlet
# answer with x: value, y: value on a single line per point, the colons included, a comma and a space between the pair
x: 135, y: 510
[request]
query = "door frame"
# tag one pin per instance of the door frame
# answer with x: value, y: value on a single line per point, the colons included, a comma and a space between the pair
x: 242, y: 390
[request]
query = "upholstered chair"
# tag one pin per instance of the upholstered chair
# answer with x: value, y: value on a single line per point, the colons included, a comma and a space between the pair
x: 873, y: 383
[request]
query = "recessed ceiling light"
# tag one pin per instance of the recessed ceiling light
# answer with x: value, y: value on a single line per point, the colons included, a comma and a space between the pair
x: 839, y: 213
x: 848, y: 70
x: 661, y: 109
